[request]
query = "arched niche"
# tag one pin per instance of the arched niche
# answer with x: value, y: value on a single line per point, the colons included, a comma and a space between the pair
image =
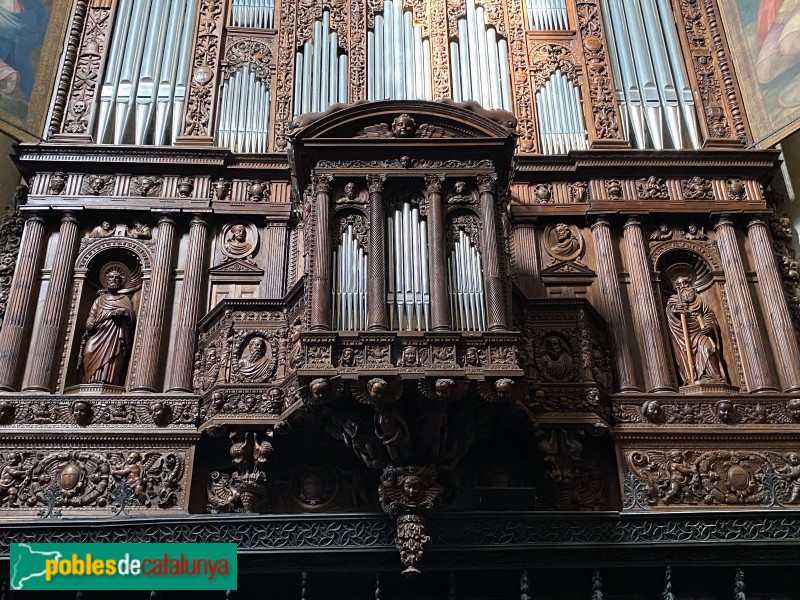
x: 133, y: 257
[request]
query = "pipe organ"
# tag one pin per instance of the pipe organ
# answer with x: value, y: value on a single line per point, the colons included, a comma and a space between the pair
x: 408, y: 284
x: 144, y: 86
x: 253, y: 14
x: 481, y: 72
x: 650, y: 78
x: 465, y: 280
x: 398, y: 58
x: 350, y: 283
x: 321, y: 70
x: 547, y: 15
x: 561, y: 125
x: 244, y: 111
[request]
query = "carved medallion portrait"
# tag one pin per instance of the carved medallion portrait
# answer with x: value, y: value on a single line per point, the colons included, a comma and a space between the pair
x: 563, y: 242
x: 238, y: 240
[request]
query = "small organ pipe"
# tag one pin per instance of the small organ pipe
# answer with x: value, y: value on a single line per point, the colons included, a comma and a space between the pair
x: 464, y: 56
x: 474, y: 53
x: 408, y: 53
x: 419, y: 74
x: 494, y: 66
x: 343, y: 77
x: 505, y: 76
x: 455, y: 72
x: 398, y: 50
x: 376, y: 75
x: 371, y: 95
x: 306, y: 82
x: 390, y: 288
x: 400, y: 277
x: 316, y: 48
x: 323, y: 75
x: 388, y: 50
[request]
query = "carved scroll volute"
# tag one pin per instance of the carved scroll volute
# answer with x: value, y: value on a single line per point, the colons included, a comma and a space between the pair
x: 79, y: 78
x: 524, y: 106
x: 600, y: 108
x: 707, y: 62
x: 198, y: 112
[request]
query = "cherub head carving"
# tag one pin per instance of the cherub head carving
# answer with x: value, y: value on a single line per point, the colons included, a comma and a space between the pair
x: 404, y: 126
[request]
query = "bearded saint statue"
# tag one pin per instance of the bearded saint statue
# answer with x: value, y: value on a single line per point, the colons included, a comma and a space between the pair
x: 107, y: 340
x: 695, y: 331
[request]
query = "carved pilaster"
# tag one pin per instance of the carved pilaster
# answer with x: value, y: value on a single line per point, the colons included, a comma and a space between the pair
x: 437, y: 255
x: 321, y: 281
x: 495, y: 309
x: 779, y: 323
x: 706, y: 57
x: 20, y: 301
x: 440, y: 49
x: 152, y: 317
x: 521, y: 73
x: 526, y: 260
x: 358, y: 51
x: 376, y: 281
x: 745, y: 324
x: 284, y: 74
x: 200, y: 97
x: 646, y: 322
x: 602, y: 111
x: 184, y: 341
x: 275, y: 273
x: 610, y: 306
x: 45, y: 343
x: 82, y: 69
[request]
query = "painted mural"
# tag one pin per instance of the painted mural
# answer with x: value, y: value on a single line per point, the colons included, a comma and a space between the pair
x: 767, y: 61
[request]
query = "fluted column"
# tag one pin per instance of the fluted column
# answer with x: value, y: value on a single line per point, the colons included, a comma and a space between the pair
x: 646, y: 322
x: 46, y: 341
x: 376, y: 257
x: 152, y: 320
x: 745, y: 323
x: 185, y: 336
x: 437, y: 255
x: 495, y: 305
x: 610, y: 306
x: 20, y: 300
x: 321, y: 282
x: 526, y: 258
x: 785, y: 350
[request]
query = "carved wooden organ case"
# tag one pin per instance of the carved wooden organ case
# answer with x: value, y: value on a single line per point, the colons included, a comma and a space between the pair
x: 320, y: 256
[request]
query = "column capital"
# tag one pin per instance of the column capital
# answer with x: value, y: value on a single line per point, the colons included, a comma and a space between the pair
x: 165, y: 218
x: 322, y: 183
x: 34, y: 217
x: 600, y: 221
x: 723, y: 221
x: 375, y: 183
x: 68, y: 217
x: 633, y: 221
x: 757, y: 221
x: 487, y: 183
x: 433, y: 183
x: 197, y: 219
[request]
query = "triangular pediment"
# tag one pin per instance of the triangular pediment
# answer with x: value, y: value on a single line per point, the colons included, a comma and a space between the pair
x: 568, y: 268
x: 236, y: 266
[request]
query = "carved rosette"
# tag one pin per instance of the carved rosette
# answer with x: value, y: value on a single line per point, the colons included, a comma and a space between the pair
x: 86, y: 74
x: 605, y: 122
x: 197, y: 117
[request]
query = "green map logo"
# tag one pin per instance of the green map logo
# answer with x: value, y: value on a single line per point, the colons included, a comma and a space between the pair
x: 123, y: 566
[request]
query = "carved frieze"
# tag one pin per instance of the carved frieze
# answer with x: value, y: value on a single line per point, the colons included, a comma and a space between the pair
x: 714, y: 411
x: 714, y: 477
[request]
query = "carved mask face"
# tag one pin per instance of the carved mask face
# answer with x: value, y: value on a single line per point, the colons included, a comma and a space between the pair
x: 793, y: 408
x: 350, y: 190
x: 404, y: 126
x: 562, y: 233
x: 319, y: 389
x: 553, y: 347
x: 725, y: 411
x: 114, y: 281
x: 347, y: 356
x: 652, y: 410
x: 410, y: 355
x: 443, y: 388
x: 106, y: 226
x: 258, y: 347
x: 471, y: 357
x: 412, y: 488
x: 81, y: 411
x: 239, y: 233
x: 503, y: 387
x: 377, y: 387
x: 459, y: 187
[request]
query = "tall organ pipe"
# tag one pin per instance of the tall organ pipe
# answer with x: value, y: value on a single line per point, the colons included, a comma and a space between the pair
x: 144, y: 83
x: 561, y: 123
x: 481, y: 72
x: 253, y: 14
x: 465, y: 280
x: 401, y: 68
x: 321, y: 70
x: 408, y: 290
x: 349, y: 284
x: 647, y: 60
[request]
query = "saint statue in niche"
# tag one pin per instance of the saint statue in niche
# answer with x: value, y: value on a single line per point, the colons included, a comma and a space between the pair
x: 256, y: 364
x: 107, y: 340
x: 694, y: 329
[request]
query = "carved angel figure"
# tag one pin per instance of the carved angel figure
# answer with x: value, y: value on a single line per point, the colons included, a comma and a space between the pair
x: 12, y: 475
x: 406, y: 488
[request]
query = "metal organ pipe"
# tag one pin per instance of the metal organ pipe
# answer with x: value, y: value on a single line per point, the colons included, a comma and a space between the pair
x: 144, y: 83
x: 244, y: 112
x: 253, y: 14
x: 465, y: 280
x: 398, y: 58
x: 648, y: 67
x: 349, y: 283
x: 408, y: 290
x: 561, y: 123
x: 547, y: 15
x: 321, y: 70
x: 481, y: 72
